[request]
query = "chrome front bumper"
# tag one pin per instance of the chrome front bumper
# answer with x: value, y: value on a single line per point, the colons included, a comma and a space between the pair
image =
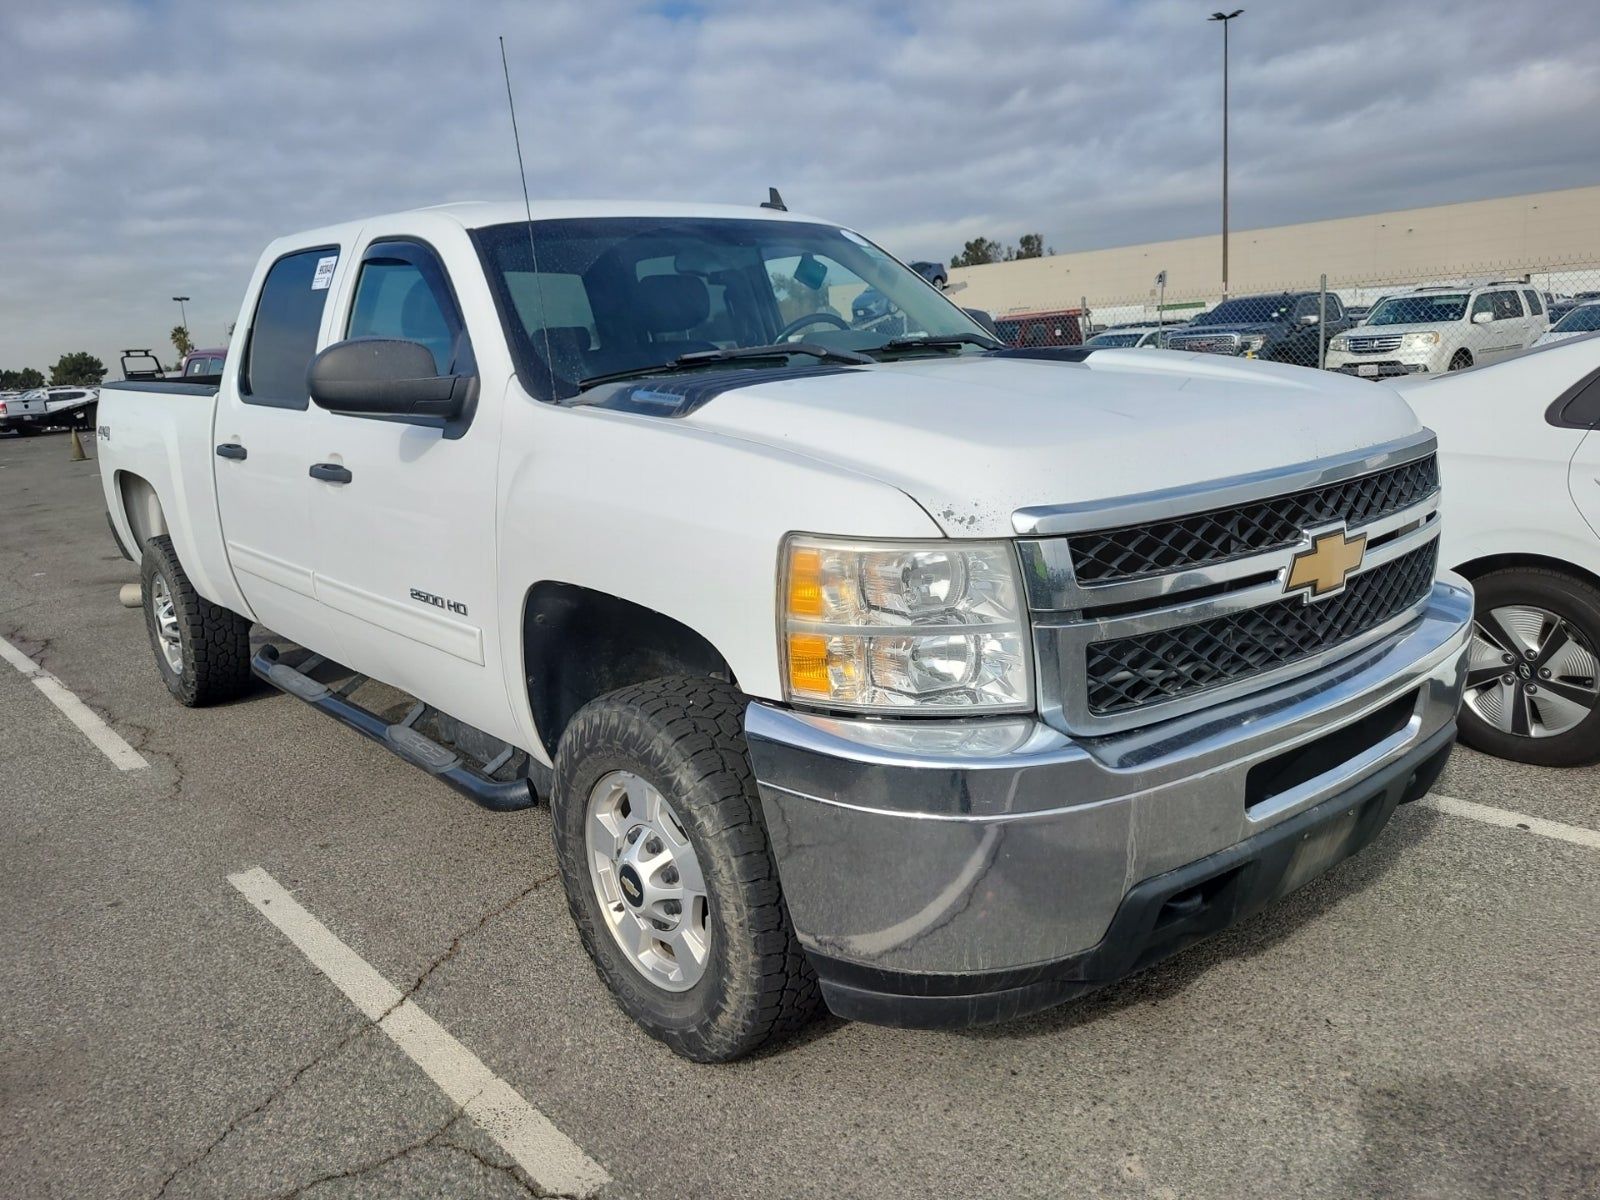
x: 966, y: 849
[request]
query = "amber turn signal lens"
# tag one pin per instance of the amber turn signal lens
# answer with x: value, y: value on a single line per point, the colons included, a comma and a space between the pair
x: 805, y: 582
x: 808, y: 664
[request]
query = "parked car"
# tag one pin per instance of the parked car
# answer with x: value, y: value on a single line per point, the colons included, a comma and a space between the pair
x: 1519, y: 444
x: 1131, y: 337
x: 49, y: 408
x: 1585, y: 318
x: 934, y: 272
x: 1438, y: 329
x: 1279, y: 327
x: 695, y: 568
x: 1061, y: 327
x: 203, y: 363
x: 1357, y: 312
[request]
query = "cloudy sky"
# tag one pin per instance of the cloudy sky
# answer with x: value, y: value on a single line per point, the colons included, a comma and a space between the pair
x: 152, y: 148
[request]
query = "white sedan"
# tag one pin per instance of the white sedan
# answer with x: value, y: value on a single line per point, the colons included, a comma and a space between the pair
x: 1519, y: 452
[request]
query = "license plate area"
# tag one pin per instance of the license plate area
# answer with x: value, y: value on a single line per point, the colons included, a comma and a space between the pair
x: 1367, y: 370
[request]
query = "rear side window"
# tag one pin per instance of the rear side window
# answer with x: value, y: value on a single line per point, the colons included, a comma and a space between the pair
x: 197, y: 366
x: 1533, y: 303
x: 1506, y: 305
x: 283, y: 334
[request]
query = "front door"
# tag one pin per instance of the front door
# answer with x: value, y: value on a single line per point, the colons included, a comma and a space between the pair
x: 405, y: 559
x: 262, y: 444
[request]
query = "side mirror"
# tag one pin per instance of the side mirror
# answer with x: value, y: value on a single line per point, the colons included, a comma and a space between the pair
x: 1310, y: 319
x: 385, y: 377
x: 1482, y: 318
x: 984, y: 319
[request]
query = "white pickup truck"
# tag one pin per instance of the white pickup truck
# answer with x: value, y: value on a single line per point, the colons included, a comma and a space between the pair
x: 892, y: 668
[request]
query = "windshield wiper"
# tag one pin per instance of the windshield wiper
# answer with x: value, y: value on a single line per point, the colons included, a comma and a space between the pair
x: 942, y: 341
x: 702, y: 358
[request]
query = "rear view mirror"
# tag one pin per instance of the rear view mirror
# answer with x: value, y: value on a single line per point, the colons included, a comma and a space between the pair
x: 1310, y: 319
x: 1482, y: 318
x: 984, y: 319
x: 385, y: 377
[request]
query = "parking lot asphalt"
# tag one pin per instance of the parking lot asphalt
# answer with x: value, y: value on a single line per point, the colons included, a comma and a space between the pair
x: 1422, y: 1022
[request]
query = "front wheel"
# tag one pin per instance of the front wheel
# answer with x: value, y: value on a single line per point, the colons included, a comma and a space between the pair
x: 1533, y: 676
x: 668, y: 871
x: 1461, y: 360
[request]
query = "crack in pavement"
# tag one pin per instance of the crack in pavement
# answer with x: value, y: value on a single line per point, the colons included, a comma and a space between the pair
x: 365, y: 1168
x: 360, y: 1030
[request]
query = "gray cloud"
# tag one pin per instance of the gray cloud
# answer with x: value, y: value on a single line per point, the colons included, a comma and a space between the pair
x: 149, y: 149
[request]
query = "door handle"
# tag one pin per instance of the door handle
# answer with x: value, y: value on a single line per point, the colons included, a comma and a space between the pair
x: 232, y: 450
x: 330, y: 473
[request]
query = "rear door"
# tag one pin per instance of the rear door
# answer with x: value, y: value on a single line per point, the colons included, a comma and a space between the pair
x: 405, y: 559
x: 264, y: 446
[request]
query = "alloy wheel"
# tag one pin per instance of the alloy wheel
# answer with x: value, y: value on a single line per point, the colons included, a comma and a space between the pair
x: 1530, y: 672
x: 166, y: 615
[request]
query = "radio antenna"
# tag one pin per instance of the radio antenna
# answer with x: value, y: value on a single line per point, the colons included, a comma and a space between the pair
x: 527, y: 207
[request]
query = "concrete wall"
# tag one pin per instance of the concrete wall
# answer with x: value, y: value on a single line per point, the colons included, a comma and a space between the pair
x: 1531, y: 232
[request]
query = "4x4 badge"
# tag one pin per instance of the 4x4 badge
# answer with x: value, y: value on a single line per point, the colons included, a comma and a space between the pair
x: 1321, y: 568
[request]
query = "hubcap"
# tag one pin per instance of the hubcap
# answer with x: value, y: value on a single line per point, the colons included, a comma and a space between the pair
x: 166, y: 624
x: 647, y: 879
x: 1530, y: 672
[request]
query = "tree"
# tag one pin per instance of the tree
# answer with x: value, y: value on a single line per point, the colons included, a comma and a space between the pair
x: 977, y: 252
x: 21, y: 381
x: 1029, y: 245
x: 80, y: 368
x: 181, y: 340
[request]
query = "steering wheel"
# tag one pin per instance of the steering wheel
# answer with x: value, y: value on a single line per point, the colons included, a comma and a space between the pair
x: 799, y: 323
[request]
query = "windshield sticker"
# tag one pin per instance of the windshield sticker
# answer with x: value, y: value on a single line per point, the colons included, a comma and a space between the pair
x: 324, y: 273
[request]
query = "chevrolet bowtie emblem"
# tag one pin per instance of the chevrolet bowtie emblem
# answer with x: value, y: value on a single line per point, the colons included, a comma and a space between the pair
x: 1322, y: 567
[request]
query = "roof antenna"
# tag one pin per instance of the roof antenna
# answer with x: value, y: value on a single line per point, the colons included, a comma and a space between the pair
x: 527, y: 207
x: 774, y: 200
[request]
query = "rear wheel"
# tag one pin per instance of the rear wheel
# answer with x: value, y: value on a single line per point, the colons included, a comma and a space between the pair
x: 202, y: 649
x: 668, y: 871
x: 1533, y: 679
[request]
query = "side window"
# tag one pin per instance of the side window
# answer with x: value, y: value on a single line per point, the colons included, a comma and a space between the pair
x: 197, y: 366
x: 1335, y: 307
x: 1483, y: 303
x: 1533, y: 302
x: 396, y: 299
x: 1506, y: 305
x: 216, y: 366
x: 283, y: 332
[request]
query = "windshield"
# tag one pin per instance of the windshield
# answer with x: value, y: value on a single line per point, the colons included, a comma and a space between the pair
x: 1419, y: 310
x: 1249, y: 310
x: 1111, y: 340
x: 624, y: 294
x: 1579, y: 320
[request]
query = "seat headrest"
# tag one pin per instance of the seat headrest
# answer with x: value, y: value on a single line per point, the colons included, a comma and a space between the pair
x: 673, y: 303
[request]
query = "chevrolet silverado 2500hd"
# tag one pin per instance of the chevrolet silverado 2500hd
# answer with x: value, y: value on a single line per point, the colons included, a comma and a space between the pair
x: 928, y: 678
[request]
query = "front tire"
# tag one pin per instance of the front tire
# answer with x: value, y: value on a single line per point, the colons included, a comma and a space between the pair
x: 1460, y: 360
x: 202, y: 649
x: 1533, y: 695
x: 669, y: 874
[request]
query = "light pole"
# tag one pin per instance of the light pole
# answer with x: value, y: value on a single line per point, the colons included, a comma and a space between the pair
x: 1225, y: 18
x: 184, y: 313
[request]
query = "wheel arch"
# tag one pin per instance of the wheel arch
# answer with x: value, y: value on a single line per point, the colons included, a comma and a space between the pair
x: 141, y: 508
x: 578, y: 644
x: 1477, y: 568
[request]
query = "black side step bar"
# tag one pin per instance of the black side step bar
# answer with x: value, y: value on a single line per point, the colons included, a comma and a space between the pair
x: 400, y: 738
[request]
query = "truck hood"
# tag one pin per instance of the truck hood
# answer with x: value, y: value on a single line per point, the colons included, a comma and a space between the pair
x: 972, y: 439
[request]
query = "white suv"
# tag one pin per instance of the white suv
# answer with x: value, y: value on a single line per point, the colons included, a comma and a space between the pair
x: 1436, y: 329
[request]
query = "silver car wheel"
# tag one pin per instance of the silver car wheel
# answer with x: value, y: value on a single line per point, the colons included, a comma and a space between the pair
x: 166, y: 615
x: 647, y: 879
x: 1530, y: 672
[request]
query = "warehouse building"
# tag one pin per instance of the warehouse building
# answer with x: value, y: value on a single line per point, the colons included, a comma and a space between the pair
x: 1554, y: 236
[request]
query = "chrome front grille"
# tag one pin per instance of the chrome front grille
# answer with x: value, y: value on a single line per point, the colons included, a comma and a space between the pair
x: 1383, y: 343
x: 1272, y: 524
x: 1140, y: 615
x: 1131, y: 672
x: 1205, y: 343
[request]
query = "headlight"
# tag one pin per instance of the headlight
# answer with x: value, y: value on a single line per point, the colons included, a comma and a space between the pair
x: 1254, y: 342
x: 929, y: 626
x: 1419, y: 341
x: 1339, y: 342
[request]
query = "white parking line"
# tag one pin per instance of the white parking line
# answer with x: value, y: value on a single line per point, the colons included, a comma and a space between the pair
x: 1506, y: 819
x: 123, y: 756
x: 549, y: 1157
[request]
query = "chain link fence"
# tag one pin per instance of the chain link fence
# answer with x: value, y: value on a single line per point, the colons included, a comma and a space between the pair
x: 1371, y: 328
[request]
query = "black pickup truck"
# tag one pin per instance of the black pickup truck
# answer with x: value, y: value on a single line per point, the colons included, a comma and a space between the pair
x: 1278, y: 326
